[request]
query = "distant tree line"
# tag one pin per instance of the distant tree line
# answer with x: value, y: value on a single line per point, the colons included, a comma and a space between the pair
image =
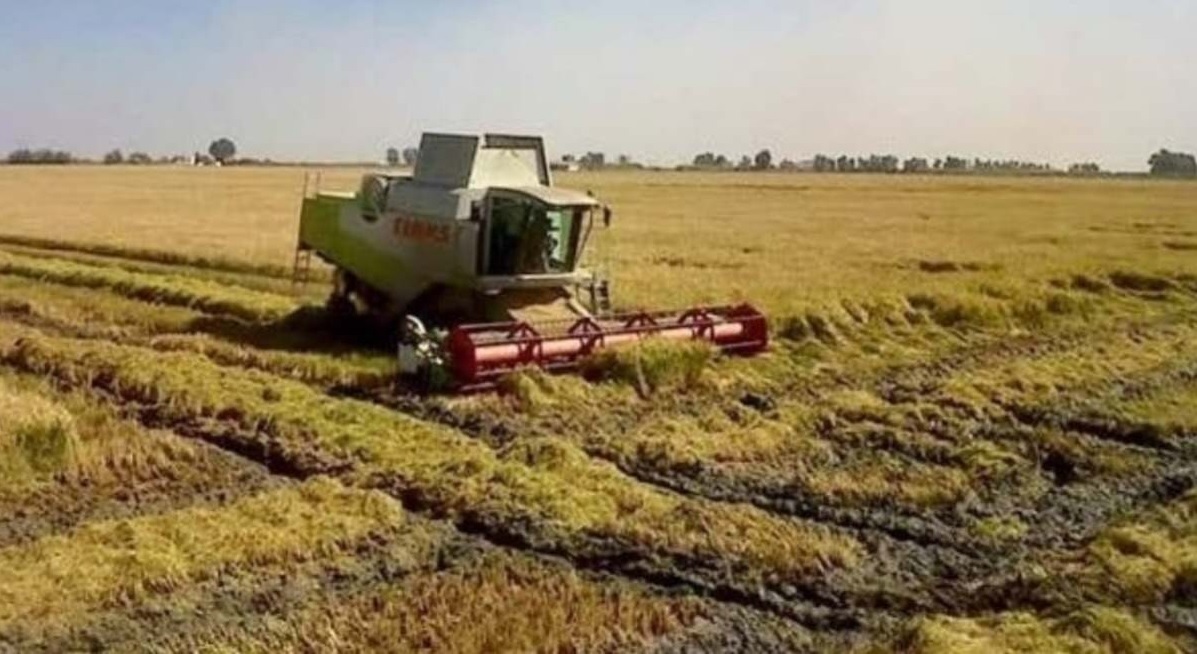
x: 1163, y: 164
x: 221, y: 150
x: 888, y: 163
x: 40, y: 156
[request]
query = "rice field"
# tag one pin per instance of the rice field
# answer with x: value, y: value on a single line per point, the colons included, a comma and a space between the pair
x: 974, y: 431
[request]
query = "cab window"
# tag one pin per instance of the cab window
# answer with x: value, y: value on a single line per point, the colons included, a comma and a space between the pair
x: 527, y: 238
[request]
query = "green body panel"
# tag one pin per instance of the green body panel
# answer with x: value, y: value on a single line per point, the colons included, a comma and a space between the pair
x: 320, y: 228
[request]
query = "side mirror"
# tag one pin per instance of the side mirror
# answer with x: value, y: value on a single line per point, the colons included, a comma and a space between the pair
x: 607, y: 215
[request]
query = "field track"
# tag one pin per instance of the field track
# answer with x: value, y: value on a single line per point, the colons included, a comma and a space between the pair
x: 194, y: 457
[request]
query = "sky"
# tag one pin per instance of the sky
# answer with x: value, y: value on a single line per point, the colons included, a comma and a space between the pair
x: 1045, y: 80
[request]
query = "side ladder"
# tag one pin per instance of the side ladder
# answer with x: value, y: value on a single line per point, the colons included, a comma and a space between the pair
x: 301, y: 265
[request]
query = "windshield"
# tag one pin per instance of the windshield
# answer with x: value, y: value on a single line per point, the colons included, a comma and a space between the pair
x: 527, y: 238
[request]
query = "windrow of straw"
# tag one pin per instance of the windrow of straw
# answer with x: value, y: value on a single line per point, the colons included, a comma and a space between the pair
x: 37, y: 436
x: 106, y: 563
x: 164, y: 257
x: 1095, y: 629
x: 178, y: 290
x: 502, y: 603
x: 544, y: 482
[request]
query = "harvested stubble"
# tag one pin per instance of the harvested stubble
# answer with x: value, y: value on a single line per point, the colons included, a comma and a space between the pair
x: 175, y: 290
x: 159, y: 327
x: 549, y: 482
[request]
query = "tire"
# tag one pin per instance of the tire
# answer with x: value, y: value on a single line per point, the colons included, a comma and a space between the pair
x: 340, y: 301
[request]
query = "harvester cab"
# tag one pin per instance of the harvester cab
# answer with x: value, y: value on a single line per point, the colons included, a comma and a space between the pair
x: 478, y: 256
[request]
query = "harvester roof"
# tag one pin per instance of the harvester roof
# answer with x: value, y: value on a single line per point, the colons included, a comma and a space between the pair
x: 471, y: 161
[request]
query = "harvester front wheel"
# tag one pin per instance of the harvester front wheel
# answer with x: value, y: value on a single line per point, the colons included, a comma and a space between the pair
x: 340, y: 301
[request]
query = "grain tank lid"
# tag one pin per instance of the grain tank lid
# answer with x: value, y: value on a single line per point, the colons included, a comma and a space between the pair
x: 461, y: 161
x: 446, y: 159
x: 552, y: 195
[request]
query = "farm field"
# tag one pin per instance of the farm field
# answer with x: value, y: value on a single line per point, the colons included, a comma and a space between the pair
x: 975, y: 430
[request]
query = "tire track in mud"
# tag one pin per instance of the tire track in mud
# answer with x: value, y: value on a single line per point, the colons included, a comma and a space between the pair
x: 705, y: 483
x: 1072, y: 512
x: 912, y: 549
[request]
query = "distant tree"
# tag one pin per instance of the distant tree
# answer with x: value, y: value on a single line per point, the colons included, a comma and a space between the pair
x: 567, y: 158
x: 1084, y: 169
x: 787, y: 165
x: 410, y: 155
x: 745, y: 163
x: 114, y: 157
x: 140, y: 158
x: 763, y: 160
x: 1173, y: 164
x: 593, y: 160
x: 711, y: 160
x: 223, y: 150
x: 955, y: 163
x: 845, y: 164
x: 393, y: 156
x: 824, y: 164
x: 885, y: 163
x: 915, y: 165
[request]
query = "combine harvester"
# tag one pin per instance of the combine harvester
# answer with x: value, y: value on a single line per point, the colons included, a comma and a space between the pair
x: 476, y: 255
